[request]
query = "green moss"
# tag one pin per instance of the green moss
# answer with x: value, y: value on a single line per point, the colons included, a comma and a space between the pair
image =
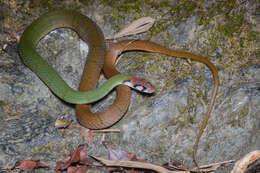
x: 86, y: 2
x: 182, y: 120
x: 223, y: 29
x: 159, y: 28
x: 233, y: 24
x: 8, y: 111
x: 229, y: 33
x: 42, y: 149
x: 126, y: 6
x: 253, y: 35
x: 2, y: 4
x: 183, y: 9
x: 120, y: 8
x: 2, y: 114
x: 242, y: 114
x: 216, y: 8
x: 52, y: 147
x: 54, y: 4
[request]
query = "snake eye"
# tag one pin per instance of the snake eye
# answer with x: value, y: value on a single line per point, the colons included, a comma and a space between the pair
x: 140, y: 84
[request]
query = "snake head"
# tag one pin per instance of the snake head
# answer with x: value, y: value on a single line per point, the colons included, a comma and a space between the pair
x: 139, y: 84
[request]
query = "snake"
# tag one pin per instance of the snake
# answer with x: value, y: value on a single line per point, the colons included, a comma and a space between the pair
x: 92, y: 35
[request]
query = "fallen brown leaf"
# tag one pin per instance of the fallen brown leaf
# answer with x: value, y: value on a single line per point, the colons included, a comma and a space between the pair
x: 77, y: 161
x: 83, y: 156
x: 65, y: 163
x: 26, y: 165
x: 77, y: 169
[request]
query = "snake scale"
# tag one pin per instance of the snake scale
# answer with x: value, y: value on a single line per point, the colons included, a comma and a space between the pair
x: 88, y: 93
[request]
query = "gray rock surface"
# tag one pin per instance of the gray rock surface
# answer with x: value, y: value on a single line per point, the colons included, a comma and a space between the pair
x: 159, y: 128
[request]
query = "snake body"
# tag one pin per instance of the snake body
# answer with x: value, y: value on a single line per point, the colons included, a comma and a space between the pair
x: 90, y: 33
x: 88, y: 93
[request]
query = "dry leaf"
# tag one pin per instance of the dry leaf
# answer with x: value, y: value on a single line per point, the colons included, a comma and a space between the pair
x: 134, y: 164
x: 62, y: 123
x: 242, y: 164
x: 26, y: 165
x: 83, y: 156
x: 138, y: 26
x: 79, y: 157
x: 77, y: 169
x: 65, y: 163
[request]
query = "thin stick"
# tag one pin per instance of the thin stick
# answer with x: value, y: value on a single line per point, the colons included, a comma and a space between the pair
x: 139, y: 165
x: 106, y: 131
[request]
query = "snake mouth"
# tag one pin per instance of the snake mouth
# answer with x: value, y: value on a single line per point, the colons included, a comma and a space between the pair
x: 139, y: 84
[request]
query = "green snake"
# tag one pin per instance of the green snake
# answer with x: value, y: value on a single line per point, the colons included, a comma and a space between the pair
x: 88, y: 93
x: 90, y: 33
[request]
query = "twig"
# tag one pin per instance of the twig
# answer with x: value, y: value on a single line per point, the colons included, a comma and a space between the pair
x: 212, y: 167
x: 139, y: 165
x: 106, y: 131
x: 160, y: 169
